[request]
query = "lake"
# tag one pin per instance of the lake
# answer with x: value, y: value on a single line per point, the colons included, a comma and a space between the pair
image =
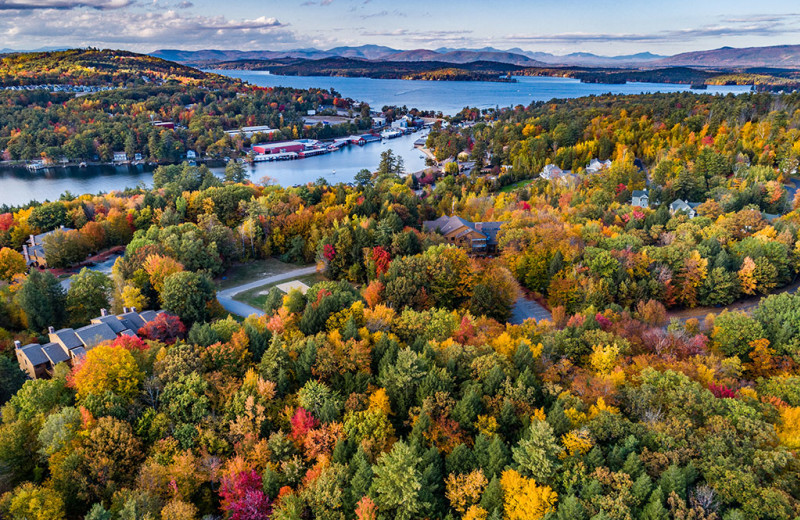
x: 450, y: 97
x: 20, y: 186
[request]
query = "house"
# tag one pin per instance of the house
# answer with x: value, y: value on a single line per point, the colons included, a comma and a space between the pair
x: 67, y: 345
x: 596, y: 166
x: 164, y: 124
x: 400, y: 124
x: 137, y: 157
x: 478, y: 237
x: 640, y: 198
x: 120, y: 157
x: 378, y: 122
x: 34, y: 250
x: 686, y: 207
x: 191, y: 154
x: 552, y: 172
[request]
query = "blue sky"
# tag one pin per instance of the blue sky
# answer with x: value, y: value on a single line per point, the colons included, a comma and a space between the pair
x: 600, y: 26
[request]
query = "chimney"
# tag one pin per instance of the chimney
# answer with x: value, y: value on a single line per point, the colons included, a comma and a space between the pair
x: 33, y: 240
x: 124, y: 310
x: 17, y: 344
x: 133, y: 309
x: 51, y: 329
x: 103, y: 312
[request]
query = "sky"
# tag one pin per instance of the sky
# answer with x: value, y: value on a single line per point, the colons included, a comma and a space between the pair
x: 608, y: 27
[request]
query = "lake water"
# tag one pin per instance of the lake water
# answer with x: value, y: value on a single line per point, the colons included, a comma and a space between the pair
x: 18, y: 186
x: 450, y: 97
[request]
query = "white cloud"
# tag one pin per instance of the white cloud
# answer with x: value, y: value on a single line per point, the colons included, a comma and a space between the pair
x: 143, y: 31
x: 27, y: 5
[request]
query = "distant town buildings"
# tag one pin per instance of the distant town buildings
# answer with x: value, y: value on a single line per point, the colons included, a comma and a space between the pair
x: 249, y: 131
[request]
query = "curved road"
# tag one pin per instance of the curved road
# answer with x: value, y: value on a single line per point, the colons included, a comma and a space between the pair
x: 225, y: 297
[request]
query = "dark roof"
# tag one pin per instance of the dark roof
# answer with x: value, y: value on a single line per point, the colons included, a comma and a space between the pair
x: 490, y: 229
x: 78, y: 352
x: 55, y: 353
x: 37, y: 239
x: 639, y: 193
x: 127, y: 332
x: 149, y: 316
x: 112, y: 321
x: 132, y: 320
x: 92, y: 335
x: 446, y: 224
x: 67, y: 338
x: 34, y: 354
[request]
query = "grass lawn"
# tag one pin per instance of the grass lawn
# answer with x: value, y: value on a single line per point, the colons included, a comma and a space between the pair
x: 258, y: 296
x: 516, y: 185
x: 238, y: 274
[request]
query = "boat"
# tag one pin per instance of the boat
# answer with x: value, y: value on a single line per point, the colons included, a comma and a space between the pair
x: 82, y: 164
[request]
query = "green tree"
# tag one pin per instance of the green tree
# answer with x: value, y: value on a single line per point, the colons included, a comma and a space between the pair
x: 42, y: 300
x: 537, y: 453
x: 235, y: 172
x: 87, y: 294
x: 187, y: 295
x: 397, y: 483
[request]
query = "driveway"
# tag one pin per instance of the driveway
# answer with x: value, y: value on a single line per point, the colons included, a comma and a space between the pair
x: 524, y: 308
x: 226, y: 296
x: 103, y: 267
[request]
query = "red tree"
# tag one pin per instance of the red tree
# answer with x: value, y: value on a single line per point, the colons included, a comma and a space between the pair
x: 165, y: 327
x: 242, y: 497
x: 302, y: 422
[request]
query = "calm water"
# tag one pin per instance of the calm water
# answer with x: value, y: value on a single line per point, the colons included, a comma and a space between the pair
x: 18, y: 186
x: 450, y: 97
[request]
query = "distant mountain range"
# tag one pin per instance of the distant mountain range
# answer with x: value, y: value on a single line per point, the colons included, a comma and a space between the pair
x: 784, y: 56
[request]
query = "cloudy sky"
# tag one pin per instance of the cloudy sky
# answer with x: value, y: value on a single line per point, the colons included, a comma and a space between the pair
x: 600, y: 26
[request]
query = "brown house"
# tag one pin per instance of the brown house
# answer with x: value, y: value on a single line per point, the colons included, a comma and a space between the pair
x: 477, y: 237
x: 66, y: 345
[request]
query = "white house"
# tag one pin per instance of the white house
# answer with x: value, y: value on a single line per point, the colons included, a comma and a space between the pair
x: 190, y: 154
x: 550, y: 172
x: 681, y: 205
x: 596, y: 166
x: 120, y: 157
x: 378, y: 122
x: 640, y: 198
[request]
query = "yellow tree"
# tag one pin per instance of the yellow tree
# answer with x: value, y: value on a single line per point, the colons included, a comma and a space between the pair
x: 464, y: 490
x: 107, y: 368
x: 11, y: 263
x: 159, y: 268
x: 132, y: 297
x: 747, y: 276
x: 524, y: 499
x: 31, y: 502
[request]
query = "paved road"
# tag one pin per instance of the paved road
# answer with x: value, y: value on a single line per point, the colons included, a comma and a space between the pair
x: 225, y: 297
x: 524, y: 308
x: 103, y: 267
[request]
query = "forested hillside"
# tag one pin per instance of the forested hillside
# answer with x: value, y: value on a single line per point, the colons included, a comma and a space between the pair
x: 398, y: 387
x: 98, y: 67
